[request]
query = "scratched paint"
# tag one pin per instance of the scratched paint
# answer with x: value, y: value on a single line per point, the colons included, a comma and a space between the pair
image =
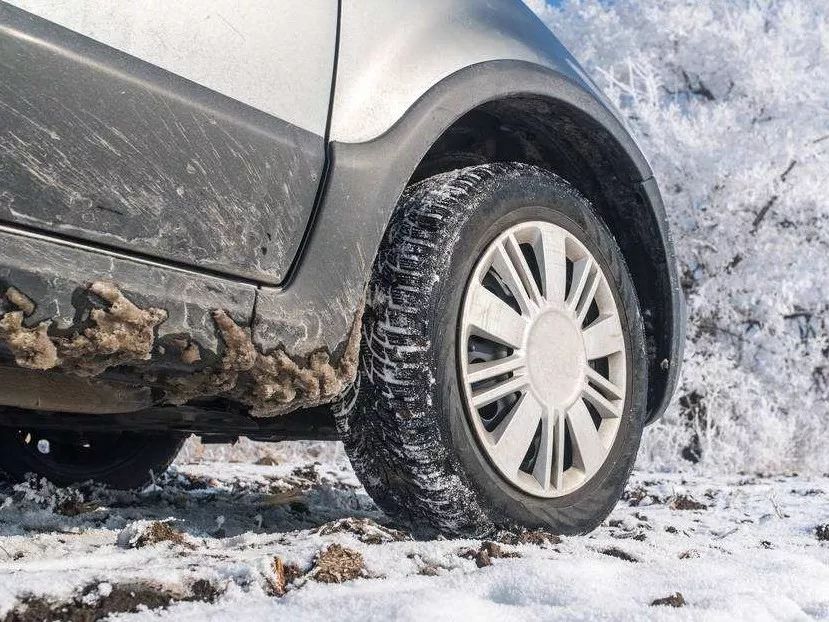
x: 123, y: 153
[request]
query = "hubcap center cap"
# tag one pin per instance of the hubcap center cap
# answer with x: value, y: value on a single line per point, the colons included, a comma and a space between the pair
x: 556, y: 358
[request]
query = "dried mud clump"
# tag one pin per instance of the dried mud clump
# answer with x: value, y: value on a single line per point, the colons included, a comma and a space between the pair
x: 159, y: 532
x: 337, y: 564
x: 239, y: 356
x: 536, y: 537
x: 280, y: 383
x: 140, y: 534
x: 32, y: 347
x: 75, y: 506
x: 119, y: 334
x: 90, y: 605
x: 283, y: 575
x: 639, y: 495
x: 100, y: 600
x: 272, y: 383
x: 20, y: 300
x: 188, y: 351
x: 619, y: 554
x: 488, y: 551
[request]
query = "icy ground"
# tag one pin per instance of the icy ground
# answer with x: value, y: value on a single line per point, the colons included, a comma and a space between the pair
x: 742, y: 546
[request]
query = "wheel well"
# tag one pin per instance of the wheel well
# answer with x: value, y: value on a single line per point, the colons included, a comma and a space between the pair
x: 556, y: 136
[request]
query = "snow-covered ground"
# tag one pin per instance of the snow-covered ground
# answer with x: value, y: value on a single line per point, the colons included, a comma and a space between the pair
x: 736, y: 547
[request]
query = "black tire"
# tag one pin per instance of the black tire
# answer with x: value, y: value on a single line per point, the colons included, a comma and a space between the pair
x: 122, y: 460
x: 407, y: 432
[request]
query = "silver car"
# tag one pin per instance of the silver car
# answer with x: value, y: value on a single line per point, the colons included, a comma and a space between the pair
x: 415, y: 226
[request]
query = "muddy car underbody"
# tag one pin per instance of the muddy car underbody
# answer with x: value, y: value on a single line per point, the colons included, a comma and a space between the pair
x: 95, y: 351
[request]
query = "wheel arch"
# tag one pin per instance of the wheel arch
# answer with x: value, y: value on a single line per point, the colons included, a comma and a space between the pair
x: 316, y: 307
x: 556, y: 135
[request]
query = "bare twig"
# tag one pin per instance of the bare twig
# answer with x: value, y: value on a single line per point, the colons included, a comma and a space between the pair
x: 776, y: 507
x: 700, y: 88
x: 788, y: 170
x: 762, y: 213
x: 758, y: 219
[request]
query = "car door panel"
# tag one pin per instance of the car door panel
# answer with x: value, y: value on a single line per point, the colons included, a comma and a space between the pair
x: 97, y: 144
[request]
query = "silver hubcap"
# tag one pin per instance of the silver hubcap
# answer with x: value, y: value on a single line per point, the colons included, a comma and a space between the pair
x: 542, y: 359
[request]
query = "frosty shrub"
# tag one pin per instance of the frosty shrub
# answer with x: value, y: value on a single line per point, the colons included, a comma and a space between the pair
x: 730, y: 101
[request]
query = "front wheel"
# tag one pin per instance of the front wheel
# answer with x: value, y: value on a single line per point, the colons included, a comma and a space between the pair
x: 124, y: 460
x: 503, y: 373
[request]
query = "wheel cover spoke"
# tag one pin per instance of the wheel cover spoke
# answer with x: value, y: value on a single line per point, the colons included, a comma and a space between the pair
x: 583, y: 275
x: 515, y: 434
x: 542, y: 359
x: 612, y: 391
x: 551, y: 249
x: 492, y: 317
x: 606, y: 407
x: 522, y: 270
x: 485, y: 396
x: 478, y: 372
x: 587, y: 444
x: 546, y: 463
x: 603, y: 338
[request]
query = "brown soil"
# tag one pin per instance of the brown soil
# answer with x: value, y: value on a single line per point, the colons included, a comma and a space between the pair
x: 160, y: 532
x: 366, y: 530
x: 75, y: 507
x: 684, y: 502
x: 124, y: 598
x: 337, y: 564
x: 488, y: 551
x: 674, y: 600
x: 536, y: 537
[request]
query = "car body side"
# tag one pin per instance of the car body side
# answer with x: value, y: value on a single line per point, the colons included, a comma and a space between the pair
x: 416, y: 88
